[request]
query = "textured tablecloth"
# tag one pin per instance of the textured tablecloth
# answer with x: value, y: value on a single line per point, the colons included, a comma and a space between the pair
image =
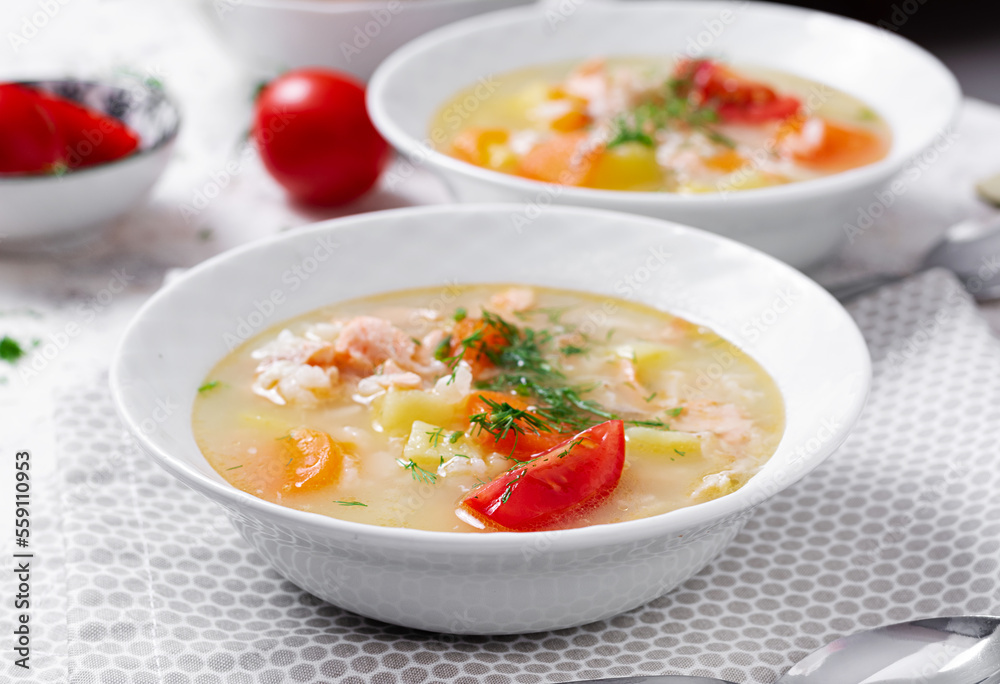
x: 148, y: 582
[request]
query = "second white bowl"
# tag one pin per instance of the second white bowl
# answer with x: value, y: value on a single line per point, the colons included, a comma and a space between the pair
x: 800, y: 223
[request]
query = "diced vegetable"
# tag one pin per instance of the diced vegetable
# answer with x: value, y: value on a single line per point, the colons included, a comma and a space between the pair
x: 314, y: 461
x: 484, y: 147
x: 568, y: 478
x: 650, y: 359
x: 628, y: 166
x: 520, y: 437
x: 431, y: 446
x: 474, y: 339
x: 396, y: 410
x: 831, y: 147
x: 564, y: 159
x: 644, y: 442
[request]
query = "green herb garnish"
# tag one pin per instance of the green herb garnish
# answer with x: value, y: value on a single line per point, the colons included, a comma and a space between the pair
x: 235, y: 467
x: 460, y: 314
x: 209, y: 385
x: 10, y: 350
x: 351, y: 503
x: 416, y: 472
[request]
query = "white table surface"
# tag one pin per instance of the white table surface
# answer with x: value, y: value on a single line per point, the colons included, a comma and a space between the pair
x: 174, y: 42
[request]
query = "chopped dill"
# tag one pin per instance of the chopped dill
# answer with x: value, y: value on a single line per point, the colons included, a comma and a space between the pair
x: 416, y: 472
x: 351, y: 503
x: 650, y: 398
x: 209, y: 385
x: 235, y: 467
x: 455, y: 436
x: 435, y: 436
x: 679, y: 452
x: 571, y: 349
x: 675, y: 411
x: 443, y: 349
x: 510, y: 486
x: 460, y: 314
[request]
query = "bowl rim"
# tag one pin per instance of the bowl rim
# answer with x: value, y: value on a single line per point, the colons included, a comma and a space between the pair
x: 710, y: 513
x: 381, y: 82
x: 166, y: 141
x: 318, y: 7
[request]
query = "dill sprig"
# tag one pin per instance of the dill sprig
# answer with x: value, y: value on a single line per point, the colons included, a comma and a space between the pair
x: 502, y: 419
x: 522, y: 367
x: 674, y: 107
x: 416, y: 472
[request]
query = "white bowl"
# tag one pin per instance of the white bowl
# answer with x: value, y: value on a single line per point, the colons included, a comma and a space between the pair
x: 42, y: 211
x: 348, y: 35
x: 800, y: 223
x: 499, y: 582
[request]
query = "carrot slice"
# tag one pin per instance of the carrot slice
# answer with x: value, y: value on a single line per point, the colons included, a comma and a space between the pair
x: 831, y: 146
x: 564, y: 159
x: 314, y: 461
x: 473, y: 144
x: 520, y: 443
x: 479, y: 338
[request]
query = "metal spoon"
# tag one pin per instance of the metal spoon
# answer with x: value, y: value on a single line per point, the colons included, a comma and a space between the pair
x: 969, y: 249
x: 950, y: 650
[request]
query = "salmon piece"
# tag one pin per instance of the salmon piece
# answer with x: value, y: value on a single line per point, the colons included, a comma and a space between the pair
x: 513, y: 300
x: 726, y: 162
x: 724, y: 420
x: 566, y: 159
x: 366, y: 342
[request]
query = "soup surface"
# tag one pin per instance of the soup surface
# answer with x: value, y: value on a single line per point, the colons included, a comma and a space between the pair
x: 660, y: 125
x: 487, y: 407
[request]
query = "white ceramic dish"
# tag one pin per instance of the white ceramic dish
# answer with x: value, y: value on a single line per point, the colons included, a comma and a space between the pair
x: 500, y: 582
x: 45, y: 211
x: 800, y: 223
x: 348, y: 35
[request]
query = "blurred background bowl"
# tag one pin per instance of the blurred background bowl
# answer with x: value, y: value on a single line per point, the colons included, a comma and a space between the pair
x: 40, y: 211
x: 800, y: 223
x: 348, y: 35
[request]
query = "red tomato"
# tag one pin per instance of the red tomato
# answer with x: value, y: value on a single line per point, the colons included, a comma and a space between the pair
x: 88, y: 137
x: 737, y: 99
x: 518, y: 445
x: 315, y: 137
x: 28, y: 139
x: 571, y: 476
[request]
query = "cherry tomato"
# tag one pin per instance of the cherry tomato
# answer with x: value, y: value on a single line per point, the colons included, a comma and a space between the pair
x: 735, y: 98
x: 521, y: 444
x: 315, y: 138
x: 88, y: 137
x: 28, y: 139
x: 570, y: 477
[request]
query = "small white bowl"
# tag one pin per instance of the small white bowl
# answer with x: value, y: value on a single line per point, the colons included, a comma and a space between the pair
x: 800, y: 223
x: 347, y: 35
x: 498, y: 582
x: 43, y: 211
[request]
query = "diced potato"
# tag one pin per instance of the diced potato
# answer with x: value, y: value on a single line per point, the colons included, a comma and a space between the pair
x: 629, y: 166
x: 644, y: 442
x: 396, y: 410
x: 431, y: 446
x: 650, y: 359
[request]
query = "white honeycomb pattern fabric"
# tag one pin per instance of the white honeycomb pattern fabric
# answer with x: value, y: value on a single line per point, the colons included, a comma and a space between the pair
x: 903, y: 522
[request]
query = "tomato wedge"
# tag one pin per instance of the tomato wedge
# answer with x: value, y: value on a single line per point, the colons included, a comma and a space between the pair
x: 89, y: 137
x: 571, y: 476
x: 736, y: 99
x: 29, y: 142
x: 520, y: 443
